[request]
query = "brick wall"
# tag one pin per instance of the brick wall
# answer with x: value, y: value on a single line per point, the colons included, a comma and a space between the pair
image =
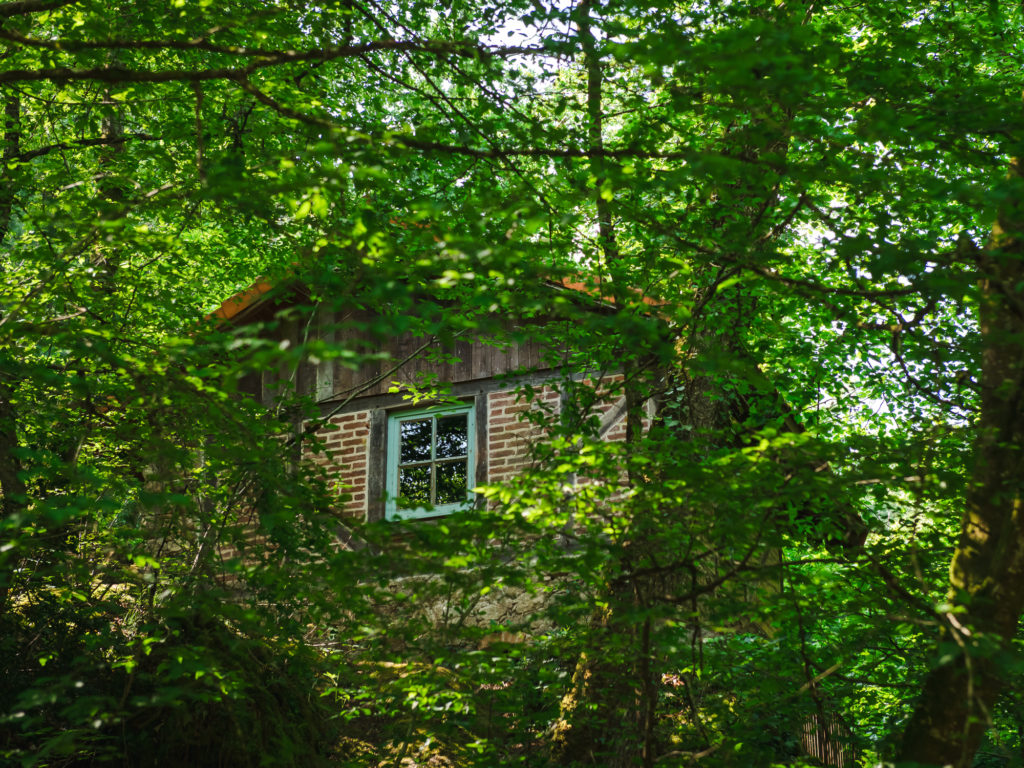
x: 510, y: 433
x: 346, y: 439
x: 509, y: 436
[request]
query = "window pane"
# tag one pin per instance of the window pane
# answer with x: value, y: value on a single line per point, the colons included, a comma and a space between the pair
x: 415, y: 440
x: 451, y: 482
x: 414, y: 487
x: 452, y: 436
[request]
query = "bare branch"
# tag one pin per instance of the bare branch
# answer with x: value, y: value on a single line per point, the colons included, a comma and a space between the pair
x: 21, y: 7
x: 78, y: 143
x: 815, y: 287
x: 273, y: 56
x: 117, y: 74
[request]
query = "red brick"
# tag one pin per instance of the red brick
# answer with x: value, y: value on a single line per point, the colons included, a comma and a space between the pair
x: 498, y: 421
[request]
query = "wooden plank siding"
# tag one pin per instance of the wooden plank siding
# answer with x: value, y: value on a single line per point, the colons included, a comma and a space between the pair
x: 465, y: 361
x: 829, y: 740
x: 407, y: 359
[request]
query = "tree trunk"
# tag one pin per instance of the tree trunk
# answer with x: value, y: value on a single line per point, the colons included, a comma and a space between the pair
x: 12, y: 486
x: 987, y: 572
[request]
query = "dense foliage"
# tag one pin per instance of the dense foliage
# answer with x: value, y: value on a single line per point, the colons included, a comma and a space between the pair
x: 805, y: 220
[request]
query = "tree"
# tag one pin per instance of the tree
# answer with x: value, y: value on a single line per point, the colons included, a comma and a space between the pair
x: 804, y: 192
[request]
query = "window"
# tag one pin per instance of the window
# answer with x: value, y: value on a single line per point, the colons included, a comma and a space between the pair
x: 430, y: 464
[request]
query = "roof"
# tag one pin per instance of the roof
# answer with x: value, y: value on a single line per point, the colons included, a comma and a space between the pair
x: 260, y: 291
x: 243, y: 300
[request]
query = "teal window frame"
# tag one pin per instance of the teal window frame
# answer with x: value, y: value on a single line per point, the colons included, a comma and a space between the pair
x: 394, y: 434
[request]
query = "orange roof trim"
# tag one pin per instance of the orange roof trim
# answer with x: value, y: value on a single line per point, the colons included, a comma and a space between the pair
x: 242, y: 300
x: 594, y: 291
x: 254, y: 294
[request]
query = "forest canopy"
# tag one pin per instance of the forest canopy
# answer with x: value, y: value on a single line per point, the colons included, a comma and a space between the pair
x: 806, y: 221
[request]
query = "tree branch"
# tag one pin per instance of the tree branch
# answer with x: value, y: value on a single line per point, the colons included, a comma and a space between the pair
x: 78, y: 143
x: 276, y: 55
x: 21, y: 7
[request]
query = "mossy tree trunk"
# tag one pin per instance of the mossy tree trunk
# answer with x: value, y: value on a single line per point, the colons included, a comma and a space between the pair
x: 987, y: 573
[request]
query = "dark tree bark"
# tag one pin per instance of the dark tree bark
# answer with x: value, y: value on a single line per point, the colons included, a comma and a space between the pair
x: 12, y: 485
x: 987, y: 573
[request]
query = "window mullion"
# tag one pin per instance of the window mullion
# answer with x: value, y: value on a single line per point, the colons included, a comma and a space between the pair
x: 433, y: 460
